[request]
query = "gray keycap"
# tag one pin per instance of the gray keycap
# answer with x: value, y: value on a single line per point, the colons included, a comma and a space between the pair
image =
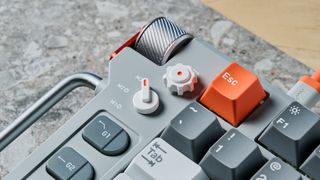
x: 293, y: 134
x: 122, y: 176
x: 106, y: 136
x: 86, y: 173
x: 118, y: 145
x: 160, y: 161
x: 193, y: 131
x: 312, y: 164
x: 101, y: 131
x: 68, y: 163
x: 232, y: 157
x: 276, y: 169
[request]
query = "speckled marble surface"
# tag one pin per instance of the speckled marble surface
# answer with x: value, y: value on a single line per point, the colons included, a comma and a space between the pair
x: 42, y: 41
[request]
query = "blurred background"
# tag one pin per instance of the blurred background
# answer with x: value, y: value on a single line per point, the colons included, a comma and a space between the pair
x: 43, y: 41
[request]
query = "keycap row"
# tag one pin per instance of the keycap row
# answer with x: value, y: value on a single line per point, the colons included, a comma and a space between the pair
x: 292, y: 135
x: 159, y: 158
x: 195, y: 129
x: 159, y: 161
x: 194, y: 146
x: 196, y: 135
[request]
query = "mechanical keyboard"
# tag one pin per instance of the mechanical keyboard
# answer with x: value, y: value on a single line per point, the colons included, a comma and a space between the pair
x: 175, y: 108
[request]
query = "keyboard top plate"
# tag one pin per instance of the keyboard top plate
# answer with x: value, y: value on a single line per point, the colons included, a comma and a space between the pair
x: 126, y: 69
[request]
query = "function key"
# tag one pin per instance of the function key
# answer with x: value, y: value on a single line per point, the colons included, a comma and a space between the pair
x: 159, y: 160
x: 312, y: 164
x: 233, y: 94
x: 276, y: 169
x: 193, y: 131
x: 293, y: 134
x: 106, y: 136
x: 232, y: 157
x: 67, y: 164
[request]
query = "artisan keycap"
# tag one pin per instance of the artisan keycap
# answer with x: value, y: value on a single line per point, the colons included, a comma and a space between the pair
x: 312, y: 164
x: 159, y: 161
x: 293, y: 134
x: 233, y: 94
x: 232, y: 157
x: 193, y: 131
x: 106, y: 136
x: 68, y: 164
x: 276, y: 169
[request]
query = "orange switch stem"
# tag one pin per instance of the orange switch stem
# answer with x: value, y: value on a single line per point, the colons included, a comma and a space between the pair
x: 316, y: 75
x: 313, y: 81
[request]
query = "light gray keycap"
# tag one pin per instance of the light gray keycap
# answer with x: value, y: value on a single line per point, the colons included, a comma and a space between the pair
x: 160, y: 161
x: 312, y: 165
x: 293, y: 134
x: 276, y: 169
x: 122, y: 176
x: 232, y: 157
x: 193, y: 131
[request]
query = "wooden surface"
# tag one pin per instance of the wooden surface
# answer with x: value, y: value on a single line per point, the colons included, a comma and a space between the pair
x: 291, y: 25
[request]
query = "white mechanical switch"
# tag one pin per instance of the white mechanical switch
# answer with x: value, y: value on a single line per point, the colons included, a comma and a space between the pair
x: 145, y: 101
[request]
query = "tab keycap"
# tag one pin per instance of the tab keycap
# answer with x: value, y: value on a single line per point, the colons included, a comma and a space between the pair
x: 159, y: 161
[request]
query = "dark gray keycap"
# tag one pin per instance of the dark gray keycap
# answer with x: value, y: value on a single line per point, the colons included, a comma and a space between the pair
x: 293, y: 134
x: 118, y: 145
x: 101, y: 131
x: 193, y: 131
x: 276, y: 169
x: 67, y: 163
x: 232, y: 157
x: 312, y: 165
x: 106, y: 136
x: 86, y: 173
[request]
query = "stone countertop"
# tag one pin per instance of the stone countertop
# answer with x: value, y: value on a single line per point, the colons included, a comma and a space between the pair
x: 43, y: 41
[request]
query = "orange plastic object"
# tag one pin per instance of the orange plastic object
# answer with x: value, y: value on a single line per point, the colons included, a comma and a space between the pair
x: 128, y: 43
x: 313, y: 81
x: 233, y: 94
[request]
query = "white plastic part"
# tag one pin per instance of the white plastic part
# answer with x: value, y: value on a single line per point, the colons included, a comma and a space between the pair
x: 304, y: 94
x: 145, y: 88
x: 159, y: 160
x: 145, y: 101
x: 180, y: 78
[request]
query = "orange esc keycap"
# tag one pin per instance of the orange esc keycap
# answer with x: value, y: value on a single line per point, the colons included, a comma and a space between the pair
x: 233, y: 94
